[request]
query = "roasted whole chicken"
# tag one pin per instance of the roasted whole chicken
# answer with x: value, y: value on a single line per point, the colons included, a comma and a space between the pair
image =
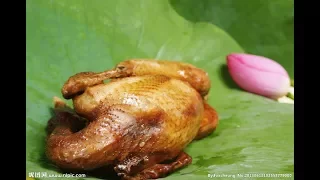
x: 136, y: 118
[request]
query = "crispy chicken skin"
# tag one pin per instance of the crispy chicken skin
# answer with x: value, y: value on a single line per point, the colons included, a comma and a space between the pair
x: 196, y: 77
x: 139, y: 122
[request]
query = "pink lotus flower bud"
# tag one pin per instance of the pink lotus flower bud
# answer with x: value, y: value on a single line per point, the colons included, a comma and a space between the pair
x: 259, y: 75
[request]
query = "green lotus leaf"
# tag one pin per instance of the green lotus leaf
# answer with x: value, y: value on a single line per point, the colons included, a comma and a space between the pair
x: 261, y: 27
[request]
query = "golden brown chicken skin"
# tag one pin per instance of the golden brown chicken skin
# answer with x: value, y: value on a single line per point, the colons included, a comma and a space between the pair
x: 139, y: 123
x: 196, y: 77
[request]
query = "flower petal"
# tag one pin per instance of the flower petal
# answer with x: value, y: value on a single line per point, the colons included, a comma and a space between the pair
x: 259, y: 75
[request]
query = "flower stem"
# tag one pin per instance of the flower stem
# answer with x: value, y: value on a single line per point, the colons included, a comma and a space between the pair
x: 291, y: 90
x: 291, y: 93
x: 285, y: 99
